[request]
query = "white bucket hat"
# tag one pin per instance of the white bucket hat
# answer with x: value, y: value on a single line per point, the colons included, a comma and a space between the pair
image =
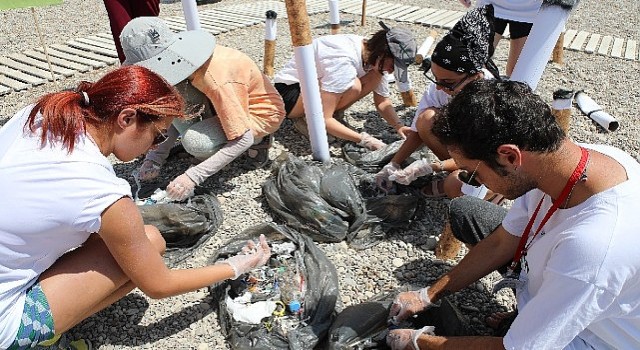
x: 148, y: 42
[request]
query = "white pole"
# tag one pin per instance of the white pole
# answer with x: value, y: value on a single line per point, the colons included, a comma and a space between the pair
x: 309, y: 86
x: 310, y: 90
x: 334, y: 16
x: 190, y: 9
x: 547, y: 26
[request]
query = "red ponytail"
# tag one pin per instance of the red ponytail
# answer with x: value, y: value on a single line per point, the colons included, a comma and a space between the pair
x: 65, y: 113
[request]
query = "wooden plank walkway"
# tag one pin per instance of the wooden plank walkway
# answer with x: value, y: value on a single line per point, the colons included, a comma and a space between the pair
x: 20, y: 71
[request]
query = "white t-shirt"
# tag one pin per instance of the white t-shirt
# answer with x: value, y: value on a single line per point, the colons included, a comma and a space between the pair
x: 338, y: 64
x: 514, y: 10
x: 51, y: 202
x: 583, y: 283
x: 434, y: 98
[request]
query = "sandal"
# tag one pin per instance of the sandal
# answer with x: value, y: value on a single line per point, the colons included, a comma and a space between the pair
x: 258, y: 154
x: 435, y: 190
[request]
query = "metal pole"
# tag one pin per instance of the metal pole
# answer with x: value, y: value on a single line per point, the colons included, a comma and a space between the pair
x: 309, y: 86
x: 363, y: 20
x: 190, y: 9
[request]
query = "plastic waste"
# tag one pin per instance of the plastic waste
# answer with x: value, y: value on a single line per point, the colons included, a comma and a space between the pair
x: 302, y: 284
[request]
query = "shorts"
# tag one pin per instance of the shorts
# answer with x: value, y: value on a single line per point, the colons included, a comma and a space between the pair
x: 37, y: 322
x: 517, y: 29
x: 289, y: 93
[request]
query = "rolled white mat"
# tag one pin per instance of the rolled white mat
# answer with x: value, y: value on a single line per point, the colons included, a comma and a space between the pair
x: 593, y: 110
x: 334, y: 12
x: 423, y: 50
x: 190, y: 9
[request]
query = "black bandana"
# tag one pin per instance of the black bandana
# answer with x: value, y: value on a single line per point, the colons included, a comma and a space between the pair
x: 469, y: 45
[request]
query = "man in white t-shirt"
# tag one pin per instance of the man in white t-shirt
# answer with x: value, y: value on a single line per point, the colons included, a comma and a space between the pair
x: 569, y: 241
x: 349, y: 67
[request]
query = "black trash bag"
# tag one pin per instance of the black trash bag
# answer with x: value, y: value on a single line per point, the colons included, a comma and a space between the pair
x: 365, y: 326
x: 318, y: 307
x: 185, y: 226
x: 318, y: 200
x: 373, y: 161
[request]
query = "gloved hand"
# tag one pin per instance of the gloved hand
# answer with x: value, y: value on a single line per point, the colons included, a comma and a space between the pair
x: 252, y: 256
x: 382, y: 177
x: 465, y: 3
x: 181, y: 188
x: 416, y: 169
x: 370, y: 142
x: 149, y: 170
x: 401, y: 339
x: 409, y: 303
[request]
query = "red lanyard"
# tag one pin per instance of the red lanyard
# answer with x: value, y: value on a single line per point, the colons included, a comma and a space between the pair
x: 522, y: 246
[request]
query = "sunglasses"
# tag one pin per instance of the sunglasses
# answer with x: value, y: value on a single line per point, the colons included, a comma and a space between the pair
x: 426, y: 67
x: 470, y: 179
x: 161, y: 137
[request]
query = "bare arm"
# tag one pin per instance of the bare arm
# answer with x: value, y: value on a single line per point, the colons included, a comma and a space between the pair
x: 330, y: 101
x: 428, y: 342
x: 488, y: 255
x: 388, y: 113
x: 140, y: 261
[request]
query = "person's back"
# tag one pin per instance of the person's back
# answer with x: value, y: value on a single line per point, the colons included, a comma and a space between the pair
x: 253, y: 89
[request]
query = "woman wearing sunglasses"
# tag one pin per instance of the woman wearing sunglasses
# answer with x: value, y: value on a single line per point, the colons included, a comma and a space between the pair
x: 462, y: 56
x: 72, y: 241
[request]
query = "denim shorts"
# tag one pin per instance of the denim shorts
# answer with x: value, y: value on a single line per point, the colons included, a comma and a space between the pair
x: 37, y: 322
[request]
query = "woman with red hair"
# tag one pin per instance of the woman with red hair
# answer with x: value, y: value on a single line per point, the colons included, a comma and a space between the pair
x: 72, y: 241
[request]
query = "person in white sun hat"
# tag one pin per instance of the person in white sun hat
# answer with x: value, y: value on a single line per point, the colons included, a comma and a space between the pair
x: 241, y: 107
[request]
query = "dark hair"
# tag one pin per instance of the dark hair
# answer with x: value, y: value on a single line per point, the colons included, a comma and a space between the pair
x: 377, y: 46
x: 65, y: 113
x: 488, y: 113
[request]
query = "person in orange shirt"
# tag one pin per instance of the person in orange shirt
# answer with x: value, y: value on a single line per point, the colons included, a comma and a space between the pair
x: 241, y: 106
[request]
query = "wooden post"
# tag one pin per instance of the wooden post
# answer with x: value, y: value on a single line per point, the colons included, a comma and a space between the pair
x: 448, y: 245
x: 561, y: 108
x: 363, y: 20
x: 558, y: 50
x: 409, y: 98
x: 269, y: 43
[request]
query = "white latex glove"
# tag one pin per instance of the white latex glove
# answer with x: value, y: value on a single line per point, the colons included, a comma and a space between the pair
x: 416, y: 169
x: 382, y: 177
x: 402, y: 339
x: 370, y: 142
x: 252, y: 256
x: 181, y: 188
x: 465, y: 3
x: 408, y: 304
x: 149, y: 170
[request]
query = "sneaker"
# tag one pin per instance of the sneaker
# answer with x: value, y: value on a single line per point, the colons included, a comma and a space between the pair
x: 258, y: 155
x: 300, y: 124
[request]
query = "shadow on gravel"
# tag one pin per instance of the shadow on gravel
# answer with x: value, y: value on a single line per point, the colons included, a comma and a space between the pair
x: 128, y: 312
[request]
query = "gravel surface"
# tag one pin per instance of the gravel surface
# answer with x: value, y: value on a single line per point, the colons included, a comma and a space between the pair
x: 406, y: 258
